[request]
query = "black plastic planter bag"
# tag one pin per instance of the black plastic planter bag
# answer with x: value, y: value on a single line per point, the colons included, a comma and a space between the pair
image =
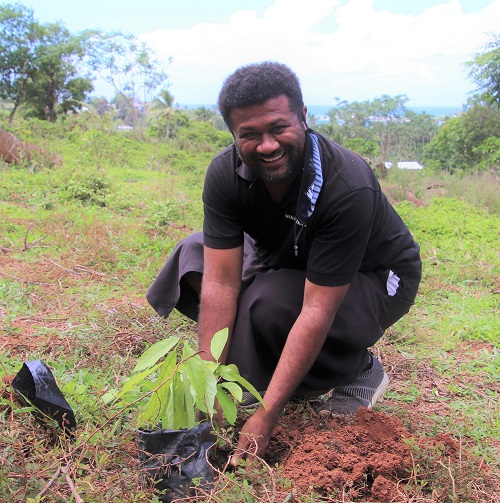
x: 35, y: 385
x: 176, y: 460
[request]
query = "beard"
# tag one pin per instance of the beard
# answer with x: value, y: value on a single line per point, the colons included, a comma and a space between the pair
x: 294, y: 154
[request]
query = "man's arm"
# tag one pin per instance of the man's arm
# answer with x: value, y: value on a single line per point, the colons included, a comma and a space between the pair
x: 219, y: 295
x: 303, y: 344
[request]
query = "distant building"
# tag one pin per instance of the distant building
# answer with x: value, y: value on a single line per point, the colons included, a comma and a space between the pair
x: 405, y: 165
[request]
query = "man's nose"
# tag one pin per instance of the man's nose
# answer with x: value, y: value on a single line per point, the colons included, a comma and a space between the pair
x: 268, y: 144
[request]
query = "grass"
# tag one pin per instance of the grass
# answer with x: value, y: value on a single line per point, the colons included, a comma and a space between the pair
x: 82, y: 242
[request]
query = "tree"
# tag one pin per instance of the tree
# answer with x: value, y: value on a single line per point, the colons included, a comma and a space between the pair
x: 130, y: 66
x: 204, y: 114
x: 385, y: 121
x: 410, y: 135
x: 211, y: 115
x: 126, y: 113
x: 18, y: 39
x: 484, y: 71
x: 38, y: 64
x: 100, y: 104
x: 162, y: 105
x: 352, y: 118
x: 56, y: 84
x: 464, y: 143
x: 101, y: 119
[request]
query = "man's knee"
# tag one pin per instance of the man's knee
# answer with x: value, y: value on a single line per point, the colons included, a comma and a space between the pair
x: 274, y: 297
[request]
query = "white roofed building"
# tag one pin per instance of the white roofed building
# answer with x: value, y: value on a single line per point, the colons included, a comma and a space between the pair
x: 404, y: 165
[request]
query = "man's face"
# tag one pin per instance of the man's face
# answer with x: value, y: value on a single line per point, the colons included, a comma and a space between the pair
x: 270, y: 138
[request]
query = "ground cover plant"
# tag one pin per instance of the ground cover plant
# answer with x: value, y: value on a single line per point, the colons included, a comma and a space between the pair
x: 80, y: 243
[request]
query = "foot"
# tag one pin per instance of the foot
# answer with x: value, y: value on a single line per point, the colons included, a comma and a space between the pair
x: 249, y: 400
x: 364, y: 391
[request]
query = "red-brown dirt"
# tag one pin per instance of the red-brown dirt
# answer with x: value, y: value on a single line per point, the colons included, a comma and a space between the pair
x: 365, y: 455
x: 364, y: 458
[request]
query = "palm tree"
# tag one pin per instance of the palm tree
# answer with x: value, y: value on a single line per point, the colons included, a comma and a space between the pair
x: 102, y: 120
x: 162, y: 104
x: 204, y: 114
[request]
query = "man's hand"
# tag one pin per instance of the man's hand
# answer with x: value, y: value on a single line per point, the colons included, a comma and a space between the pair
x: 303, y: 344
x: 255, y: 436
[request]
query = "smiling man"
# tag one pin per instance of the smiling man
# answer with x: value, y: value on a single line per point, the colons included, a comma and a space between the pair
x: 301, y: 256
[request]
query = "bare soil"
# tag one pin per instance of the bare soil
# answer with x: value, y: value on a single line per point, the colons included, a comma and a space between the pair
x: 366, y: 456
x: 371, y: 457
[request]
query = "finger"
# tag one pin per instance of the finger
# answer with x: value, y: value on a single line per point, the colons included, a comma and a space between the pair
x: 247, y: 448
x: 235, y: 458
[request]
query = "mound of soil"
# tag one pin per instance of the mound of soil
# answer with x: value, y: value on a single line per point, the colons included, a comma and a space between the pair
x: 364, y: 456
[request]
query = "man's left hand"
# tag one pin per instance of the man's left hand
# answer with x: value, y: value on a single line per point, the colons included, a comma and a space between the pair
x: 254, y: 436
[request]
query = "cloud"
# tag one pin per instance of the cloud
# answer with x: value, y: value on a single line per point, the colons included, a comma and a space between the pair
x: 349, y: 50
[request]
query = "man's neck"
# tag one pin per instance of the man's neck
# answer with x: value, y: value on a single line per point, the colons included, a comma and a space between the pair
x: 277, y: 190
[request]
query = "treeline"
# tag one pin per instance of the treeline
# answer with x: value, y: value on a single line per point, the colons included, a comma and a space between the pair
x: 47, y: 73
x: 384, y: 129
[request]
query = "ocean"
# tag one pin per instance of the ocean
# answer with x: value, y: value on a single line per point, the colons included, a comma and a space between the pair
x: 322, y: 110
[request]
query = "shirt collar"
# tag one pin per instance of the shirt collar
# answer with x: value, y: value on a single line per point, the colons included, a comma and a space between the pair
x: 244, y: 171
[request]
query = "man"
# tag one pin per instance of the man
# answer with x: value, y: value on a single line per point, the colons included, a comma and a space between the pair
x: 301, y: 256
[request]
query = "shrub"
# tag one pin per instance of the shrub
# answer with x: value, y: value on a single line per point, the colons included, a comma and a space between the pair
x: 89, y: 186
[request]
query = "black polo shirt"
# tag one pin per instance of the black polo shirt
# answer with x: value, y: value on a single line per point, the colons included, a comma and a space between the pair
x: 352, y: 229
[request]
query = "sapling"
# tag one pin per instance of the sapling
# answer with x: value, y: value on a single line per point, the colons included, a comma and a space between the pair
x: 176, y: 383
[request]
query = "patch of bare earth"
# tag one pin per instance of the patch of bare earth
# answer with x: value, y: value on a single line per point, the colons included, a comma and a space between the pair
x: 373, y: 457
x: 365, y: 456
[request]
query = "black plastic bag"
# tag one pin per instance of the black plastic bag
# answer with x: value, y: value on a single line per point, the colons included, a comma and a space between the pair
x: 176, y: 460
x: 35, y: 385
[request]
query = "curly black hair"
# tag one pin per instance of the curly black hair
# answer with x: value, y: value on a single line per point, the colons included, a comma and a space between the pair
x: 257, y: 83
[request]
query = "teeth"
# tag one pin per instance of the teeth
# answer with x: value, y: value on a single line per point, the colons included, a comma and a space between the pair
x: 275, y: 158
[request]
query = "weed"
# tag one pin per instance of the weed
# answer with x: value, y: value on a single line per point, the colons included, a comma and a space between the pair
x: 88, y: 186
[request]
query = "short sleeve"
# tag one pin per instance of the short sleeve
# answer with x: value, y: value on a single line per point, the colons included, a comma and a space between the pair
x: 222, y: 227
x: 340, y: 239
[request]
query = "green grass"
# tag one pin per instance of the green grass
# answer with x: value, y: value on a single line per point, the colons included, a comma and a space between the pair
x: 82, y: 242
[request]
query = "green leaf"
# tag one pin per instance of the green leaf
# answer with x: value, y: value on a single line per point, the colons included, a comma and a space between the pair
x: 22, y: 410
x: 133, y: 381
x: 155, y: 352
x: 109, y: 397
x: 188, y: 400
x: 197, y: 373
x: 229, y: 369
x: 210, y: 393
x: 179, y: 404
x: 150, y: 414
x: 202, y: 380
x: 158, y: 402
x: 168, y: 419
x: 212, y: 366
x: 234, y: 389
x: 230, y: 373
x: 227, y: 405
x: 218, y: 343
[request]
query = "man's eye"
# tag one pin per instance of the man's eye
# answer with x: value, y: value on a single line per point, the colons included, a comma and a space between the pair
x: 248, y: 136
x: 279, y: 129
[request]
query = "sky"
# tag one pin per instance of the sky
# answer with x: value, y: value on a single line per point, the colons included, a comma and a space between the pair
x: 354, y: 50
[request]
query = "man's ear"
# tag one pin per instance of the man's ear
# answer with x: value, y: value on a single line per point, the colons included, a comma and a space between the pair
x: 304, y: 115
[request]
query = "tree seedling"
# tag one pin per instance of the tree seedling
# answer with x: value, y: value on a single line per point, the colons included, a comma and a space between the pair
x: 176, y: 383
